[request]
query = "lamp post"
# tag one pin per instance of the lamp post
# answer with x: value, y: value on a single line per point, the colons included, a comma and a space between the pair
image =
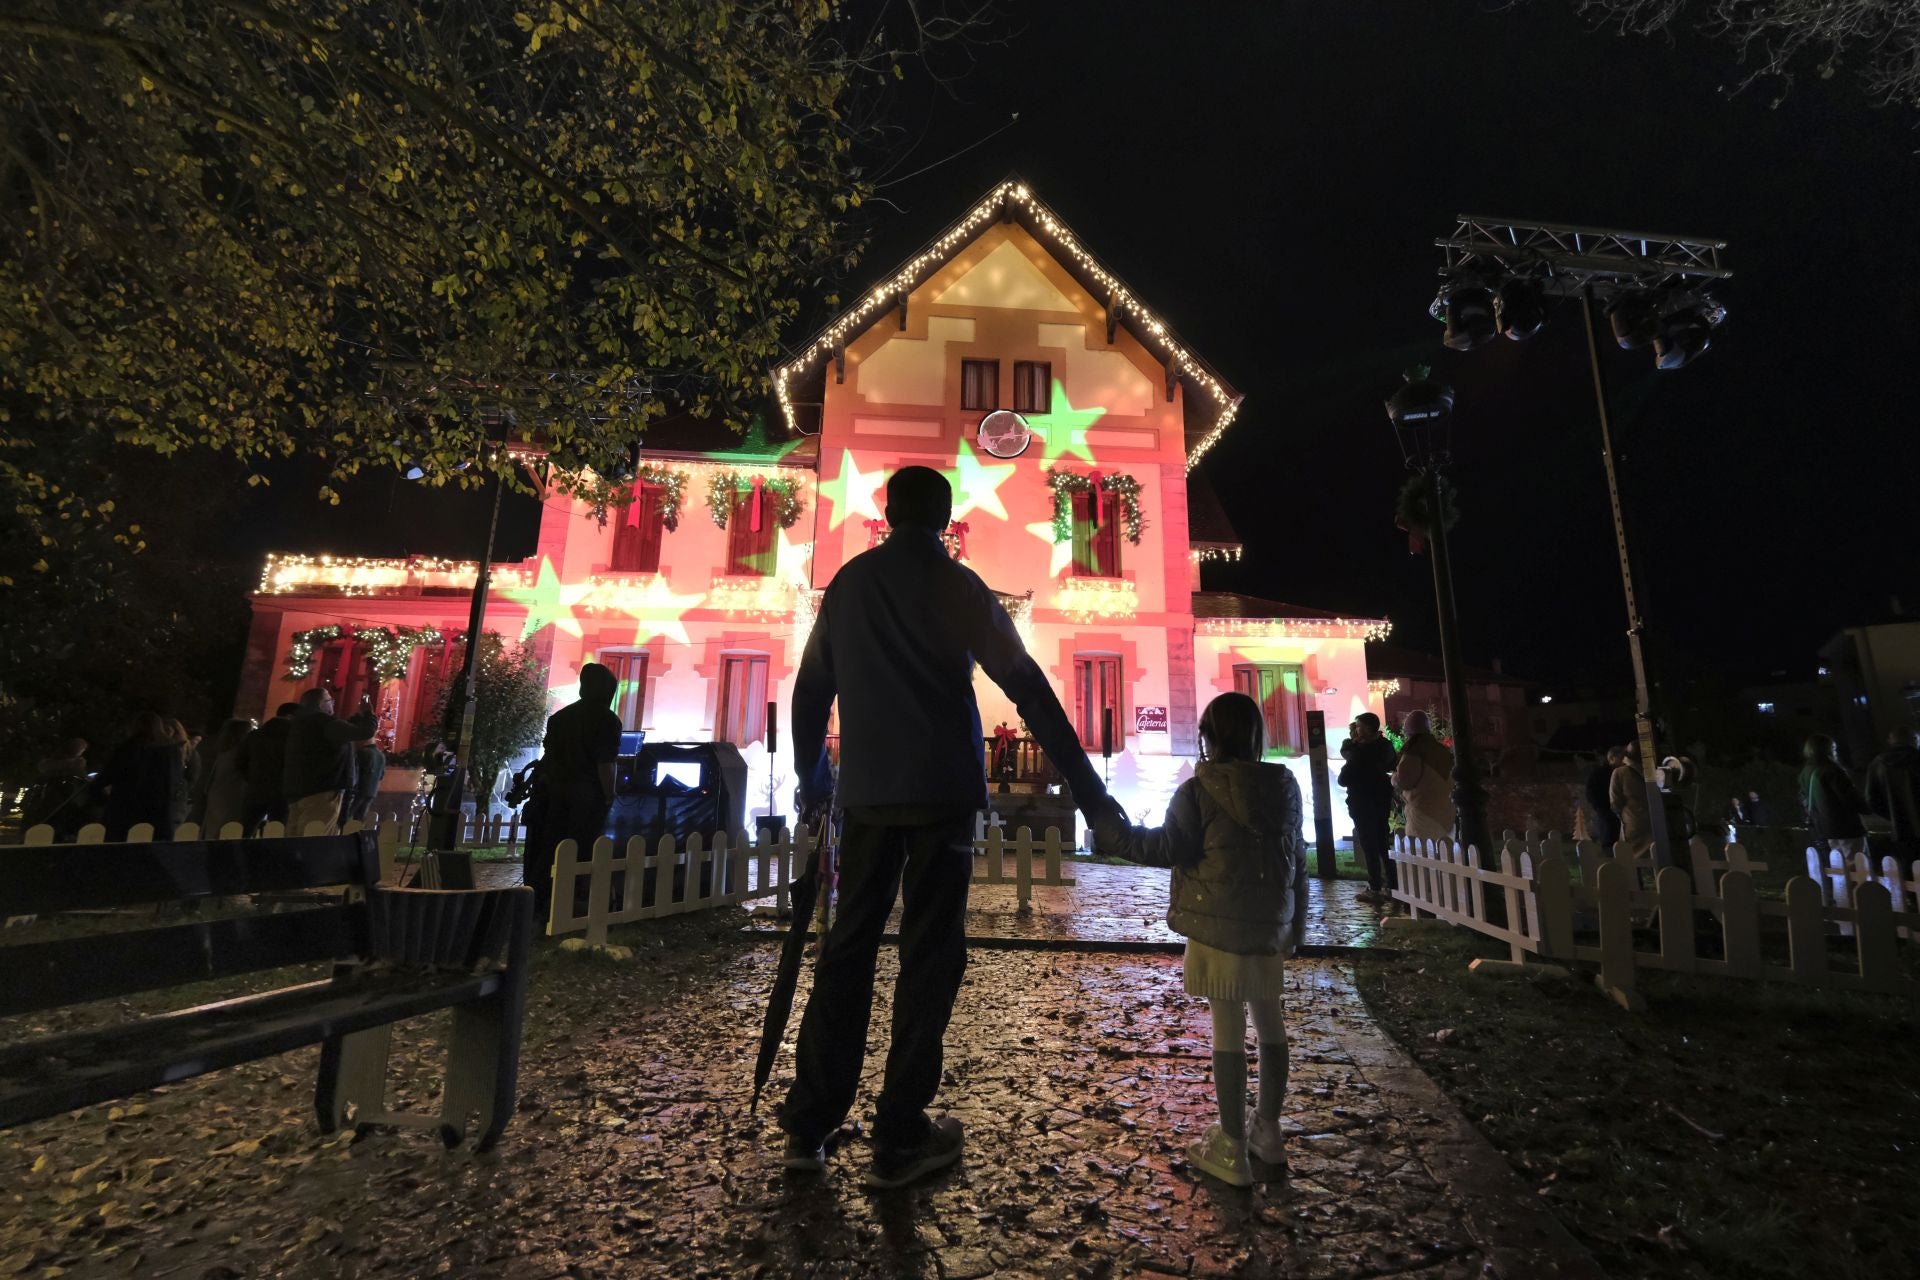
x: 443, y: 827
x: 1422, y: 414
x: 1657, y: 291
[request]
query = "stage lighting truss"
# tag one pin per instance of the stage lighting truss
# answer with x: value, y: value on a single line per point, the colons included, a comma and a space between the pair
x: 1657, y: 289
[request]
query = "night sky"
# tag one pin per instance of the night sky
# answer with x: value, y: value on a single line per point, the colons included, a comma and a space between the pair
x: 1272, y: 180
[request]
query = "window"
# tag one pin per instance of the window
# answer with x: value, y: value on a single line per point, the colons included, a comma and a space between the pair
x: 979, y: 384
x: 630, y: 700
x: 636, y: 538
x: 749, y: 550
x: 743, y: 699
x: 1281, y: 691
x: 1033, y: 386
x: 342, y: 667
x: 1096, y: 542
x: 1096, y: 693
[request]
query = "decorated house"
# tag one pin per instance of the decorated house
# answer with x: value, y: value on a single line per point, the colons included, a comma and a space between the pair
x: 1069, y: 417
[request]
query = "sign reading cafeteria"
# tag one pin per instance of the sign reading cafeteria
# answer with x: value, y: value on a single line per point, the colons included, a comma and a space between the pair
x: 1150, y: 720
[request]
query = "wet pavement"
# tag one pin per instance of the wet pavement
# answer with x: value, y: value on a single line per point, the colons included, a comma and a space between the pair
x: 1080, y: 1077
x: 1118, y: 904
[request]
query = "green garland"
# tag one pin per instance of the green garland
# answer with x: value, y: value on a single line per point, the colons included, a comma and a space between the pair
x: 727, y: 485
x: 390, y: 652
x: 300, y: 657
x: 1066, y: 483
x: 1413, y: 508
x: 672, y: 485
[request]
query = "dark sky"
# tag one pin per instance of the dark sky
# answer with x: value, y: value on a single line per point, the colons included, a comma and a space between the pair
x: 1271, y: 178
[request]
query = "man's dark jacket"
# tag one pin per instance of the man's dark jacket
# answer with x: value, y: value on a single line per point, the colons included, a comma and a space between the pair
x: 263, y: 758
x: 1893, y: 792
x: 320, y: 752
x: 1367, y: 775
x: 1832, y: 803
x: 898, y: 632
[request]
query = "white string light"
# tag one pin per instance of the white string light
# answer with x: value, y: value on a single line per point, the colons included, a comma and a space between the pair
x: 1212, y: 554
x: 1085, y: 599
x: 855, y: 321
x: 1370, y: 629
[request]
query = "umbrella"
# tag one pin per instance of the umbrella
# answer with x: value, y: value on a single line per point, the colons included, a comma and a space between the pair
x: 802, y: 893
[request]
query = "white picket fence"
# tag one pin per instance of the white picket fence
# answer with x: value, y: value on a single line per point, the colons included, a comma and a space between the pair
x: 735, y: 870
x: 1838, y: 874
x: 1544, y: 897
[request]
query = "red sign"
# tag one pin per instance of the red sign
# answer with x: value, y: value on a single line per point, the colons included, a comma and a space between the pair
x: 1149, y: 719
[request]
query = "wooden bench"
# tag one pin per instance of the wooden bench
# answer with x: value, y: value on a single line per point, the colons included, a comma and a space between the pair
x: 397, y: 954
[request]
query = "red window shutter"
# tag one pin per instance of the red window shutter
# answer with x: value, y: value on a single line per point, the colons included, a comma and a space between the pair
x: 1106, y: 539
x: 650, y: 512
x: 1082, y: 533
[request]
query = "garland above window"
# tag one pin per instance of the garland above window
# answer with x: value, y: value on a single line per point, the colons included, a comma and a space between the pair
x: 672, y: 485
x: 390, y: 652
x: 300, y: 656
x: 1066, y: 483
x: 725, y: 486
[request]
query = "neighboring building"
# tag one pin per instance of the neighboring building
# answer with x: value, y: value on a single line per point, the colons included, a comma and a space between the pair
x: 1067, y: 415
x: 1875, y: 675
x: 1498, y: 704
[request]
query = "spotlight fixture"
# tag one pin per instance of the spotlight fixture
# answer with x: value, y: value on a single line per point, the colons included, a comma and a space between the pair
x: 1465, y: 304
x: 1419, y: 399
x: 1519, y: 308
x: 1686, y: 331
x: 1635, y: 316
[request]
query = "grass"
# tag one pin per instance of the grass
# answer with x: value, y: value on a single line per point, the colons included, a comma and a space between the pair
x: 1731, y: 1130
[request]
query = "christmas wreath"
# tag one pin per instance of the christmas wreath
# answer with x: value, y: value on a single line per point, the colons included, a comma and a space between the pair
x: 1066, y: 483
x: 728, y: 485
x: 1413, y: 508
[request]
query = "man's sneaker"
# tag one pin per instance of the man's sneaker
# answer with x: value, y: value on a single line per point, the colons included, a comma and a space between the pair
x: 803, y: 1155
x: 1367, y: 895
x: 1266, y: 1142
x: 1222, y: 1157
x: 897, y: 1166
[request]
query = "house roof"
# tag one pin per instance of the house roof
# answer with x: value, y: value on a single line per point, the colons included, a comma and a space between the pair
x: 1207, y: 523
x: 1210, y: 402
x: 1231, y: 604
x: 1385, y: 661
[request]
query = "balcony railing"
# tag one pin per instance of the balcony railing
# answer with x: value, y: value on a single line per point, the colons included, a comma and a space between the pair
x: 1020, y: 761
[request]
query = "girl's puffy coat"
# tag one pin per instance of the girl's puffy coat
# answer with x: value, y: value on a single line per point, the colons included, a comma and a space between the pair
x: 1233, y: 838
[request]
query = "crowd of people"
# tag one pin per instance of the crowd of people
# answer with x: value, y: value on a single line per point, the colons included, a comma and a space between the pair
x: 1418, y: 776
x: 304, y: 766
x: 1836, y: 807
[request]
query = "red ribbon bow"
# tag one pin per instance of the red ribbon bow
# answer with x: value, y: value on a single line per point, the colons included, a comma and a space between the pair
x: 958, y: 528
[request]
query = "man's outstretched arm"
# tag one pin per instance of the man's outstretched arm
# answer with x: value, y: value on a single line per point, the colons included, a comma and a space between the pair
x: 813, y: 692
x: 996, y: 647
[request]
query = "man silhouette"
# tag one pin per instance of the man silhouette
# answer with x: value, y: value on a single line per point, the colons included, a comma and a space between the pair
x: 896, y: 639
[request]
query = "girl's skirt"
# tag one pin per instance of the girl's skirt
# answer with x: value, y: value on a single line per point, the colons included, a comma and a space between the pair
x: 1222, y: 975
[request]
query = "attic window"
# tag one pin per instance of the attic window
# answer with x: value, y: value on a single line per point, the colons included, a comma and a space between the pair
x: 1032, y: 386
x: 980, y: 384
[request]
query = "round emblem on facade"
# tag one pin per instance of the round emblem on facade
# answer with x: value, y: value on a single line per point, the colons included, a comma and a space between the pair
x: 1004, y: 434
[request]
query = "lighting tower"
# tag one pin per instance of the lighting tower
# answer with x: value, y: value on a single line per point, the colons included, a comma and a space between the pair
x: 1497, y: 277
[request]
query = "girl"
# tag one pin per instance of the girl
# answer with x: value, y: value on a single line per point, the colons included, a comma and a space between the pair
x: 1233, y: 838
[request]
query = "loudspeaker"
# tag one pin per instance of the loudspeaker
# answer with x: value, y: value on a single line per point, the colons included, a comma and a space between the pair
x: 773, y: 728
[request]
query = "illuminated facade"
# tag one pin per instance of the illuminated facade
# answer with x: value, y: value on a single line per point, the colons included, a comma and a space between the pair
x: 1067, y: 416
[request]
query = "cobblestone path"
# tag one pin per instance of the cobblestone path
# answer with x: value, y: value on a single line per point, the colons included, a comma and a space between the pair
x: 1079, y: 1076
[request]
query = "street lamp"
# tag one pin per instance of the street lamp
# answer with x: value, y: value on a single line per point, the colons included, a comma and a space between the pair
x: 1657, y: 291
x: 1422, y: 417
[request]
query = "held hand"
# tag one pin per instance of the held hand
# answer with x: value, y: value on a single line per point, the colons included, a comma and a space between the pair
x: 1108, y: 821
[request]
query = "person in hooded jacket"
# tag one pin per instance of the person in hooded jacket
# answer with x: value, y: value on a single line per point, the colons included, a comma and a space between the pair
x: 1234, y: 839
x: 1424, y: 779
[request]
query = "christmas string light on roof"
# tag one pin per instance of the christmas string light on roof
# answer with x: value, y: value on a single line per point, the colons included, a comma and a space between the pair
x: 855, y: 321
x: 1211, y: 554
x: 1369, y: 629
x: 1384, y: 688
